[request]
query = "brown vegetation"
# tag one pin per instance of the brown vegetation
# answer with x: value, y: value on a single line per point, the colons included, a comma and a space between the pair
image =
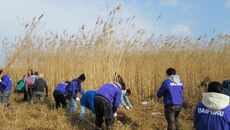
x: 113, y: 46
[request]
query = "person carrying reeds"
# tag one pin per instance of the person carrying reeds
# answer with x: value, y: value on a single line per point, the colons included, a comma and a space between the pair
x: 213, y: 112
x: 72, y: 90
x: 59, y: 94
x: 5, y: 88
x: 172, y: 90
x: 87, y: 102
x: 124, y: 95
x: 29, y: 80
x: 107, y: 94
x: 38, y: 90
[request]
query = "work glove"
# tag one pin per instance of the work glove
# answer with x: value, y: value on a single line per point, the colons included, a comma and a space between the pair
x: 127, y: 107
x: 131, y: 107
x: 0, y: 80
x: 46, y: 95
x: 30, y: 83
x: 77, y: 99
x: 115, y: 114
x: 157, y: 98
x: 27, y: 82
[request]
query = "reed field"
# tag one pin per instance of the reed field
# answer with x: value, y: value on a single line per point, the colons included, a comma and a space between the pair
x: 114, y: 45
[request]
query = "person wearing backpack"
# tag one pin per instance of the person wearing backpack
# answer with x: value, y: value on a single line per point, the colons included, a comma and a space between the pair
x: 72, y: 90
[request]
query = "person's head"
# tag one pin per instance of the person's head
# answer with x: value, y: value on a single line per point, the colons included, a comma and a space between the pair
x: 41, y: 76
x: 81, y: 78
x: 128, y: 92
x: 215, y: 87
x: 30, y: 72
x: 120, y: 80
x: 36, y: 73
x: 170, y: 71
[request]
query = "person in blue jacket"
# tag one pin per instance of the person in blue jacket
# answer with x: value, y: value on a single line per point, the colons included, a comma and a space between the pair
x: 72, y: 90
x: 59, y: 94
x: 107, y: 94
x: 172, y: 90
x: 5, y: 88
x: 213, y: 112
x: 87, y: 102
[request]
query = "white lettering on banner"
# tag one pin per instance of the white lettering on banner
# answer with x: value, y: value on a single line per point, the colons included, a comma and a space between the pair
x: 173, y: 84
x: 207, y: 111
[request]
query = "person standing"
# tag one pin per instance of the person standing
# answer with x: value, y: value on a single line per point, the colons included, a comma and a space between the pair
x: 59, y: 94
x: 87, y: 102
x: 36, y: 75
x: 29, y: 80
x: 5, y: 88
x: 72, y: 90
x: 107, y: 94
x: 213, y: 112
x: 38, y: 90
x: 172, y: 90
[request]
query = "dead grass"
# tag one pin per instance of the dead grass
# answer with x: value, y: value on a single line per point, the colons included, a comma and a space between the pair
x: 112, y: 46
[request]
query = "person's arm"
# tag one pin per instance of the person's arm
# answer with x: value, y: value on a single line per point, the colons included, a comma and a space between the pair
x: 122, y: 100
x: 92, y: 107
x: 81, y: 91
x: 127, y: 100
x: 116, y: 101
x: 46, y: 88
x: 162, y: 90
x: 5, y: 81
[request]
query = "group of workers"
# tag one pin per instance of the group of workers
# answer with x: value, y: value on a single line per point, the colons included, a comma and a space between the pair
x: 212, y: 113
x: 98, y: 102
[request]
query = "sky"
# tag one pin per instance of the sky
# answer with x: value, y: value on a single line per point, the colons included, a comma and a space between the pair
x: 179, y: 17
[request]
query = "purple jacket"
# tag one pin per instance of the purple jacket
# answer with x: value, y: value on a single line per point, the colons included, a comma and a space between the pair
x: 112, y: 92
x: 6, y: 83
x: 74, y: 87
x: 61, y: 87
x: 206, y: 119
x: 172, y: 90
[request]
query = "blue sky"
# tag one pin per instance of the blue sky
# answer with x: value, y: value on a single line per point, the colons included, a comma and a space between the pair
x: 182, y: 18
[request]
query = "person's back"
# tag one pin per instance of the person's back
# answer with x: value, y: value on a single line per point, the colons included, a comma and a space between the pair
x: 39, y: 85
x: 213, y: 112
x: 172, y: 90
x: 87, y: 99
x: 38, y: 91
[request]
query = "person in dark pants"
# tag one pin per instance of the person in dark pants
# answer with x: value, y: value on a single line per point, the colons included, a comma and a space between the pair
x: 172, y: 90
x: 108, y: 94
x: 38, y: 90
x: 29, y: 80
x: 59, y: 94
x: 5, y: 88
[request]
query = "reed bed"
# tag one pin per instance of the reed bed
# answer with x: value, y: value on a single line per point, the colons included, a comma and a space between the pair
x: 115, y: 45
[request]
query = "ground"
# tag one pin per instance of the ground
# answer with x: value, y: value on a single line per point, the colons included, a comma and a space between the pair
x: 25, y: 116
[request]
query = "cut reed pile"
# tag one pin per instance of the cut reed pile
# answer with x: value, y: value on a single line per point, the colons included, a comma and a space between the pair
x: 115, y: 45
